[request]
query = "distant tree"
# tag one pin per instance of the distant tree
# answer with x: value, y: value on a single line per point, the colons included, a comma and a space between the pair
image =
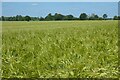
x: 3, y: 18
x: 68, y: 17
x: 6, y: 18
x: 58, y: 16
x: 118, y: 17
x: 17, y: 17
x: 49, y: 17
x: 35, y: 18
x: 100, y: 18
x: 27, y: 18
x: 20, y: 18
x: 92, y: 17
x: 83, y: 16
x: 41, y: 18
x: 75, y: 18
x: 115, y: 17
x: 10, y: 18
x: 96, y: 17
x: 0, y: 18
x: 105, y: 16
x: 14, y: 18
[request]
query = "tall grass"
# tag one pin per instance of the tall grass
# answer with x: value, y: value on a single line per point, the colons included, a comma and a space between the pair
x: 60, y: 49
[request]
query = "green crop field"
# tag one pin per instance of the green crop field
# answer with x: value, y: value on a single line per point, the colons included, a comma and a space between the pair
x: 60, y: 49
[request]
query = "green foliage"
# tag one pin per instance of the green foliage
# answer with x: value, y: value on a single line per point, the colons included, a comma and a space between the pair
x: 105, y: 16
x: 49, y: 17
x: 3, y: 18
x: 94, y: 17
x: 27, y: 18
x: 115, y: 18
x: 59, y: 49
x: 83, y: 16
x: 69, y: 17
x: 58, y: 16
x: 41, y: 19
x: 19, y: 18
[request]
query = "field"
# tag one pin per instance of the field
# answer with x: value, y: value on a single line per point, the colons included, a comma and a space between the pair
x: 60, y: 49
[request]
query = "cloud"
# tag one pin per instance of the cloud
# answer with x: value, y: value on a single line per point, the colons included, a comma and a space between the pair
x: 34, y: 4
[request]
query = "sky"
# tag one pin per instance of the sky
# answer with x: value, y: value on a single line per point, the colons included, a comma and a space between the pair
x: 60, y: 0
x: 41, y: 9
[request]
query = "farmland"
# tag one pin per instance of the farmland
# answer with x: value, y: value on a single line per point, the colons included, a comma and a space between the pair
x: 60, y: 49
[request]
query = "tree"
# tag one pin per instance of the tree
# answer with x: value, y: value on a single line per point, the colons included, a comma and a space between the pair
x: 10, y: 19
x: 69, y: 17
x: 17, y: 17
x: 105, y: 16
x: 3, y: 18
x: 96, y: 17
x: 27, y: 18
x: 83, y: 16
x: 92, y: 17
x: 118, y: 17
x: 100, y: 18
x: 35, y: 18
x: 41, y: 19
x: 14, y: 18
x: 58, y: 16
x: 49, y: 17
x: 115, y: 18
x: 20, y: 18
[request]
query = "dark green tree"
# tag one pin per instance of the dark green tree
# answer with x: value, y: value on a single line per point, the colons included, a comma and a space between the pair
x: 93, y: 17
x: 58, y: 16
x: 35, y: 18
x: 14, y: 18
x: 41, y: 19
x: 118, y: 17
x: 69, y: 17
x: 105, y: 16
x: 19, y: 18
x: 115, y: 17
x: 100, y: 18
x: 10, y: 19
x: 83, y: 16
x: 96, y: 17
x: 27, y: 18
x: 49, y: 17
x: 3, y: 18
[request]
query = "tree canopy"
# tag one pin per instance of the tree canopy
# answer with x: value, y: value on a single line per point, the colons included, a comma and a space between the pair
x: 58, y: 16
x: 83, y: 16
x: 27, y: 18
x: 105, y: 16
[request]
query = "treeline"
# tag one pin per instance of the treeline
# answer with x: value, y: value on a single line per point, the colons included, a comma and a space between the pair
x: 57, y: 16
